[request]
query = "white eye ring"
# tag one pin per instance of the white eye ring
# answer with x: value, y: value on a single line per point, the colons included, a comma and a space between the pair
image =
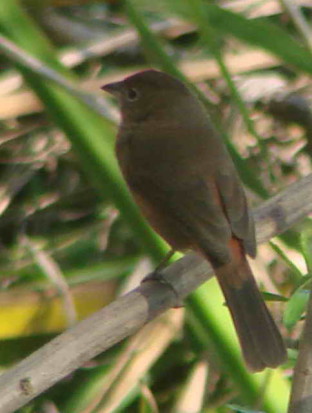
x: 132, y: 94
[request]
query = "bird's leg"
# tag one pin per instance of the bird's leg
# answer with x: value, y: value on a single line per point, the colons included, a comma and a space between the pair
x: 163, y: 263
x: 156, y: 275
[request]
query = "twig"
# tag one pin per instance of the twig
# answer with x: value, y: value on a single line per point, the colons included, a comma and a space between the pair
x: 293, y: 108
x: 102, y: 47
x: 14, y: 183
x: 52, y: 271
x: 76, y: 55
x: 141, y: 351
x: 127, y: 314
x: 18, y: 55
x: 191, y: 398
x: 301, y: 393
x: 13, y: 105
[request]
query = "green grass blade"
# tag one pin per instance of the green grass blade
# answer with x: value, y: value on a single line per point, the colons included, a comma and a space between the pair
x: 255, y: 32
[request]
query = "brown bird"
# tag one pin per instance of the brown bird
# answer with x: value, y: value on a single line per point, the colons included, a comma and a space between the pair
x: 186, y: 185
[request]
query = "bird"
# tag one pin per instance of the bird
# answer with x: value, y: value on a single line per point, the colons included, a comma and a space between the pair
x: 183, y: 179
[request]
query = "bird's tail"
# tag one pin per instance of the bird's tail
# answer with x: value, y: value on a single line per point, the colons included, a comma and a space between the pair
x: 260, y: 339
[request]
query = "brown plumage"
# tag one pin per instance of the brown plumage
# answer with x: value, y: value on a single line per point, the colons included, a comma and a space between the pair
x: 186, y: 185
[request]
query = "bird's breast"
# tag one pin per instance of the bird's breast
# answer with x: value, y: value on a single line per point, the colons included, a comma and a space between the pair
x: 172, y: 154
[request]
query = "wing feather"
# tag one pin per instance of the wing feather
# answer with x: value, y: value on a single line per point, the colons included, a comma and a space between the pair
x: 235, y: 204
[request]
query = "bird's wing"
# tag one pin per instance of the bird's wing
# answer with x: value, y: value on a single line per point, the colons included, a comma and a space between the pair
x: 195, y: 208
x: 234, y: 201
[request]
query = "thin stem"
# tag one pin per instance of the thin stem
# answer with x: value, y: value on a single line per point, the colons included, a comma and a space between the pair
x: 299, y: 21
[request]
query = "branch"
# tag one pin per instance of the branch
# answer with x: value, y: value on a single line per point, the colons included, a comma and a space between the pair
x: 129, y: 313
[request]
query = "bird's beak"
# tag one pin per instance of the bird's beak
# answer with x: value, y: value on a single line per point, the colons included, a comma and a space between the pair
x: 113, y: 88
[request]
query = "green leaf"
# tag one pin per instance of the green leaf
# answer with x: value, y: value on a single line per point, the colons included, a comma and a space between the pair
x: 295, y: 270
x: 263, y: 34
x: 296, y: 306
x: 273, y: 297
x: 257, y: 32
x: 297, y: 303
x: 240, y: 409
x: 306, y: 243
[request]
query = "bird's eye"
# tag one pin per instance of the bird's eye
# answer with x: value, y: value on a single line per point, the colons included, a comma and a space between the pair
x: 132, y: 94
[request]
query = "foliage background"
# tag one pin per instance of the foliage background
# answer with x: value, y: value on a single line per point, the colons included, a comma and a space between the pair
x: 71, y: 238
